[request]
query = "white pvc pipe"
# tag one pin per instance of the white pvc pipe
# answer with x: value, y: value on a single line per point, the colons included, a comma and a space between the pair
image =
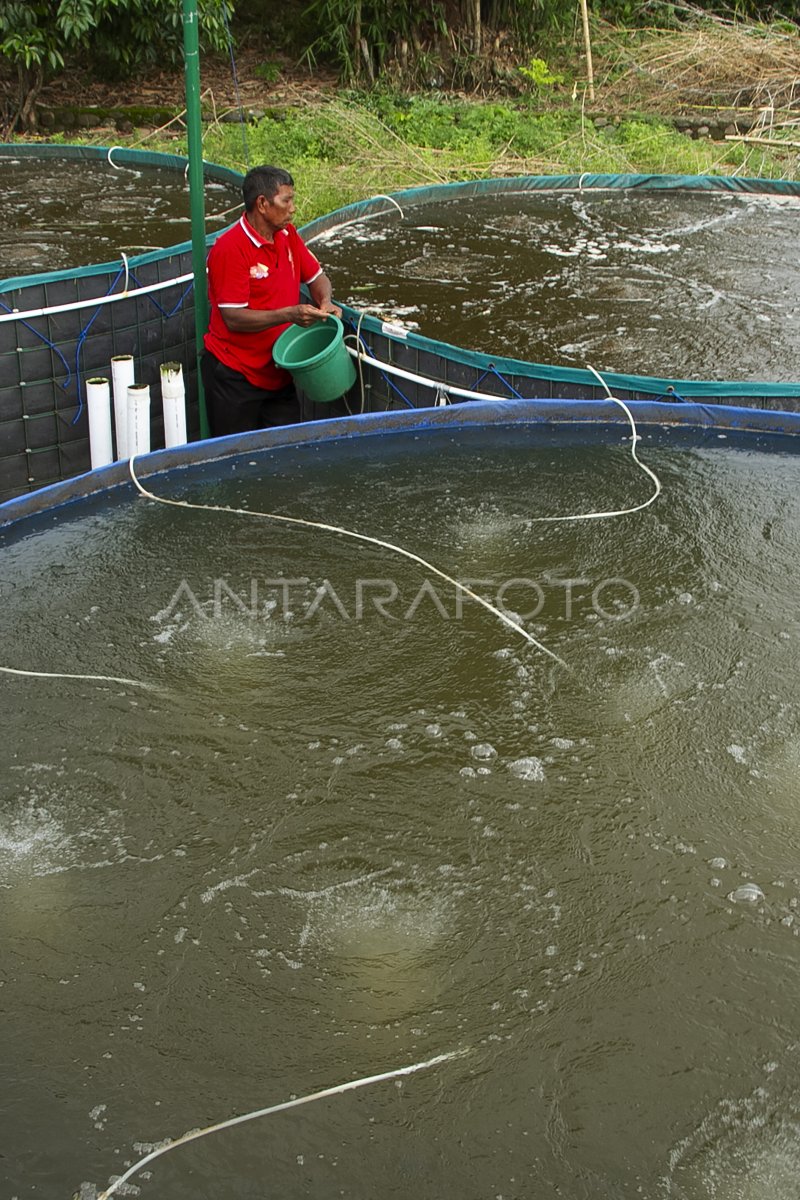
x: 98, y: 302
x: 436, y: 384
x: 98, y: 402
x: 173, y: 396
x: 122, y: 377
x: 138, y: 419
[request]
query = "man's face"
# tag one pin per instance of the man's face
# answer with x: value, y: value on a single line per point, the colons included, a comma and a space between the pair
x: 278, y: 211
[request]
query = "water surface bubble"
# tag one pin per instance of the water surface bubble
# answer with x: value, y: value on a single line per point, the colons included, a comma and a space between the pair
x: 737, y: 753
x: 529, y: 769
x: 746, y: 893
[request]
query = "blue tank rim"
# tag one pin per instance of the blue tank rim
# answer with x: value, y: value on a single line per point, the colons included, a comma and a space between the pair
x: 781, y: 427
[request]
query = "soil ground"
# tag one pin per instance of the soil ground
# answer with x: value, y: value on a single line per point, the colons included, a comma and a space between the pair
x: 162, y: 88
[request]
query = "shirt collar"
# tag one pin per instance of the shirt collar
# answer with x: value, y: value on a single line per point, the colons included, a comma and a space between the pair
x: 255, y: 237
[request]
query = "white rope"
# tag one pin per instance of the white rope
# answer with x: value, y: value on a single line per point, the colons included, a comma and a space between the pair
x: 616, y: 512
x: 127, y: 272
x: 361, y: 537
x: 383, y: 196
x: 93, y: 678
x: 412, y: 377
x: 355, y: 220
x: 276, y: 1108
x: 443, y: 390
x: 111, y: 163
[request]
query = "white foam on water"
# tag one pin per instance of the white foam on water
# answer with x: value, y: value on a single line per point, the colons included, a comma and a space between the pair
x: 240, y: 634
x: 48, y: 829
x: 32, y: 836
x: 648, y: 246
x: 488, y: 524
x: 360, y: 232
x: 747, y: 893
x: 744, y: 1150
x: 371, y: 920
x: 780, y: 764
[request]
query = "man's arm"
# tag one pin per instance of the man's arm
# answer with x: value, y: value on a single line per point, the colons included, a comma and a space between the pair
x: 254, y: 320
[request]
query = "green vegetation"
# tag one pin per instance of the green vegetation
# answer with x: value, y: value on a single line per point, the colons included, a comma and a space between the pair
x: 342, y: 151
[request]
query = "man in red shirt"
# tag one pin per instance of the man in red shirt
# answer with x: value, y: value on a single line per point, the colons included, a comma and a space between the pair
x: 254, y: 274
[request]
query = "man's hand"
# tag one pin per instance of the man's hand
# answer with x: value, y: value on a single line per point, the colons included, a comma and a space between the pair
x: 328, y: 307
x: 307, y: 315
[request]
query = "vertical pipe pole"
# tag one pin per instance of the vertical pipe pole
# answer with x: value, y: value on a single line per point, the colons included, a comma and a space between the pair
x: 587, y: 42
x: 173, y: 400
x: 138, y: 419
x: 98, y: 402
x: 191, y: 52
x: 122, y: 376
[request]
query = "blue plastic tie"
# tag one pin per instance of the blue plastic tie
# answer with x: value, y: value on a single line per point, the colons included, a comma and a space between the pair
x: 166, y: 312
x: 386, y: 378
x: 47, y: 342
x: 492, y: 370
x: 79, y: 347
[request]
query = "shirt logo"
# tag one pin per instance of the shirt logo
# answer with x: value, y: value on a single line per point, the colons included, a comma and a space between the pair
x: 259, y: 271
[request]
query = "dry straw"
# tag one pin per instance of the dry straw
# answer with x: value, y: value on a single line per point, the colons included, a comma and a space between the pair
x: 710, y: 61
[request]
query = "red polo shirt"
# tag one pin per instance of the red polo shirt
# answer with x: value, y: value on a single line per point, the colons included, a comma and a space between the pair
x: 246, y: 271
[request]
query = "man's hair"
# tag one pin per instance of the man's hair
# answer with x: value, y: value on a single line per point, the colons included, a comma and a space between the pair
x: 263, y: 181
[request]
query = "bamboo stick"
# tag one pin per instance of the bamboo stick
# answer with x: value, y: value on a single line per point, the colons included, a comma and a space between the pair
x: 762, y: 141
x: 587, y: 41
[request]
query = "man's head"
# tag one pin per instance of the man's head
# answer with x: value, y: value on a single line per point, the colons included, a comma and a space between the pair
x: 264, y: 181
x: 269, y: 199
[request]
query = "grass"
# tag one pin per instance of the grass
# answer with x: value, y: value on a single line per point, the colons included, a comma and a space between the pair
x: 340, y: 151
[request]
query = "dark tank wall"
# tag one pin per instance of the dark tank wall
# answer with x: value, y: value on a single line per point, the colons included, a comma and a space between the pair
x: 46, y: 359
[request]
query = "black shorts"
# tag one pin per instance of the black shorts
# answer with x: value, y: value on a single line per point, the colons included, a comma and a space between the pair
x: 234, y: 405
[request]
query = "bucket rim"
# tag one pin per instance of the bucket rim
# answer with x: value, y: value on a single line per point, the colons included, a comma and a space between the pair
x: 296, y: 332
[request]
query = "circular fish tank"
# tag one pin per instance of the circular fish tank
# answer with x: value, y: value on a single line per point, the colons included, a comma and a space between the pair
x: 283, y: 808
x: 674, y: 287
x: 692, y: 283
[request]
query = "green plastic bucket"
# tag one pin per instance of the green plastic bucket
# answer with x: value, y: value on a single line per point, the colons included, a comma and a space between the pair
x: 317, y: 358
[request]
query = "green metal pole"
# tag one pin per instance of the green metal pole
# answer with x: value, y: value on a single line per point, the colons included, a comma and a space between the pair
x: 191, y: 51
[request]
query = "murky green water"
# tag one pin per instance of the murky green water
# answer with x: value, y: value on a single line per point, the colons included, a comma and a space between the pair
x: 59, y: 213
x: 675, y: 285
x: 334, y: 843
